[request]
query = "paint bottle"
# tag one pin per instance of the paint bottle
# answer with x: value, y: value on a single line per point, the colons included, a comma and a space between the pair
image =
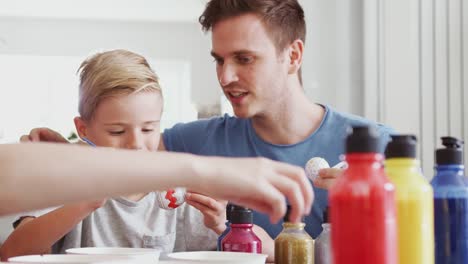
x: 293, y: 245
x: 362, y: 203
x: 228, y: 225
x: 414, y: 199
x: 241, y: 237
x: 323, y: 254
x: 450, y: 204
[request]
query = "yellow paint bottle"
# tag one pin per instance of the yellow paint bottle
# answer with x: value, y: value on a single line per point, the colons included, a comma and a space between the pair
x: 415, y: 205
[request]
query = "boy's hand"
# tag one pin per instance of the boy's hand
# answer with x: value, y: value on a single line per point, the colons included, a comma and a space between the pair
x: 327, y: 177
x: 214, y: 212
x: 43, y: 134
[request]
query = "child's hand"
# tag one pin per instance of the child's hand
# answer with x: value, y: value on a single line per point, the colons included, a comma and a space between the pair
x: 327, y: 178
x: 214, y: 212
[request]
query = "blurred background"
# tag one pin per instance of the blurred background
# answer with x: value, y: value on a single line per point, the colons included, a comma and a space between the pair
x: 400, y: 62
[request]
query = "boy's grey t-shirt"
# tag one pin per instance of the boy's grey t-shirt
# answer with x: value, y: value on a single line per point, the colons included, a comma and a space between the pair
x: 124, y: 223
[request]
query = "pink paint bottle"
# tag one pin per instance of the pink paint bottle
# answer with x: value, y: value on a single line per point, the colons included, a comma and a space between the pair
x: 241, y: 238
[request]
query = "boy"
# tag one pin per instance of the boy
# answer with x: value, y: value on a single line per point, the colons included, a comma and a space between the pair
x: 120, y: 106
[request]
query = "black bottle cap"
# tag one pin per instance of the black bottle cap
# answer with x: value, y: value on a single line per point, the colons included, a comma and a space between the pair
x: 452, y: 153
x: 229, y: 208
x: 362, y: 139
x: 401, y: 146
x: 241, y: 215
x: 326, y: 218
x: 288, y: 213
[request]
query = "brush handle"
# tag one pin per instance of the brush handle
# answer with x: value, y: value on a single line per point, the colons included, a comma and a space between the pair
x: 88, y: 141
x: 341, y: 165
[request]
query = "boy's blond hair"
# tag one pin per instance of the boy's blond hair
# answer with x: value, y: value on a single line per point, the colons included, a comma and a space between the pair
x: 113, y: 73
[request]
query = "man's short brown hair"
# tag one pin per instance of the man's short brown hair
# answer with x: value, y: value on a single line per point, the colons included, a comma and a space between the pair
x: 283, y: 19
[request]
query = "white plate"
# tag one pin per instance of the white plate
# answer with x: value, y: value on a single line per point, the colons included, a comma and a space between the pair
x: 140, y: 255
x: 70, y: 259
x: 213, y: 257
x: 113, y: 251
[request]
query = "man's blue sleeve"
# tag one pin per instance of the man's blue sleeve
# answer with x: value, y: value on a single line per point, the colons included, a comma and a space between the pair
x: 385, y: 136
x: 188, y: 137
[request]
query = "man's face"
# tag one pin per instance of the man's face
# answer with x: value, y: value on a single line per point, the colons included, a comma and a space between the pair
x: 251, y: 71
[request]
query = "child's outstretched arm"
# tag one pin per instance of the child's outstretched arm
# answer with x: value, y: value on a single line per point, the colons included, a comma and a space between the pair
x: 37, y: 235
x: 39, y: 175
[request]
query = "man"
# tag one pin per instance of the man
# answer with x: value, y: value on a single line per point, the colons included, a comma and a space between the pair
x: 258, y: 47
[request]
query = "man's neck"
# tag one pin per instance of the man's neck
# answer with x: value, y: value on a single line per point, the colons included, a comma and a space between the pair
x: 292, y: 123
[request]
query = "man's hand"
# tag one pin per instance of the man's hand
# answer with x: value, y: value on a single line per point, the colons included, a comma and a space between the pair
x: 327, y: 178
x: 43, y: 134
x: 257, y: 183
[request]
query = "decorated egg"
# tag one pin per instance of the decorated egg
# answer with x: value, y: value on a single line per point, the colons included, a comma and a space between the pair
x: 171, y: 199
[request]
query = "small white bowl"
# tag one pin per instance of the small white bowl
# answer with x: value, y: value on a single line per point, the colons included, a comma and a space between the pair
x: 220, y: 257
x: 139, y: 255
x: 70, y: 259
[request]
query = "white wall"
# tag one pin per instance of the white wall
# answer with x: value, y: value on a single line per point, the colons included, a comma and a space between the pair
x: 167, y: 41
x: 49, y: 95
x: 333, y: 60
x: 416, y: 68
x: 332, y: 63
x: 122, y: 10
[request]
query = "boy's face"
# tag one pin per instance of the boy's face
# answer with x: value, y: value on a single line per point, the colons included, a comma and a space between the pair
x: 125, y: 121
x: 250, y: 70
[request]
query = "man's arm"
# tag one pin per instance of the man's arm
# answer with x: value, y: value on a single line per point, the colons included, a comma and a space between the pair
x: 43, y: 134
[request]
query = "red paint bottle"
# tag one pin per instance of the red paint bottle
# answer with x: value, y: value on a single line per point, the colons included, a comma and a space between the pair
x: 363, y: 211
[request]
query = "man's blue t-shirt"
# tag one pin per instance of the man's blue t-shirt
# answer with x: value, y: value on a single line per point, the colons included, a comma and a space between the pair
x: 234, y: 137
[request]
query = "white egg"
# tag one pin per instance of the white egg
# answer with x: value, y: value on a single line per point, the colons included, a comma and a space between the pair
x: 314, y: 165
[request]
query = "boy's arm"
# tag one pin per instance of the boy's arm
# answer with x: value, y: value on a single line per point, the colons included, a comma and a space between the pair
x: 37, y: 235
x: 268, y: 244
x: 27, y: 172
